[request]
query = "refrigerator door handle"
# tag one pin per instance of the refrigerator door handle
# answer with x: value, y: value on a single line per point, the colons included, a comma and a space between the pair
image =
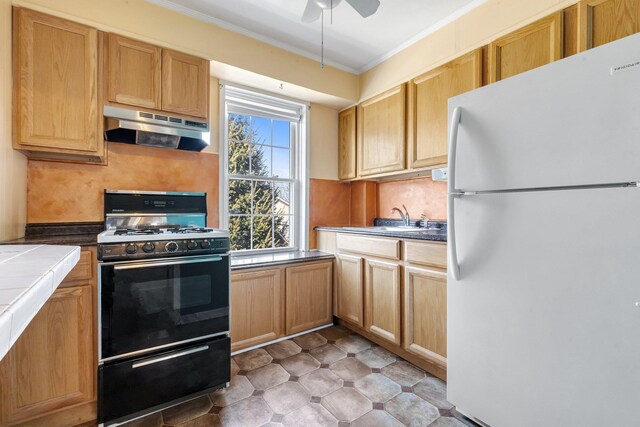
x: 453, y: 193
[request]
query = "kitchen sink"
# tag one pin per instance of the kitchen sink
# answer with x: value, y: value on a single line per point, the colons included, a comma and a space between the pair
x: 399, y: 228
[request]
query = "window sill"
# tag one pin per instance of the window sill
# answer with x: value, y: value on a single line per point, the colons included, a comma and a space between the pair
x: 241, y: 261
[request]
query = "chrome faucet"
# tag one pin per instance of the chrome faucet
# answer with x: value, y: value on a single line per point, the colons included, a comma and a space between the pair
x: 425, y: 220
x: 405, y: 216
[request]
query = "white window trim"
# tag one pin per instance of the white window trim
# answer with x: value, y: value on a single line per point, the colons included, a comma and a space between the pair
x: 301, y: 170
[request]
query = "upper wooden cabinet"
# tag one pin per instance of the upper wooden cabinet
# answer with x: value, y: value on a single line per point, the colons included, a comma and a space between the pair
x: 133, y: 72
x: 185, y: 84
x: 603, y: 21
x: 347, y: 143
x: 428, y: 107
x: 381, y: 133
x: 527, y: 48
x: 56, y: 88
x: 143, y: 75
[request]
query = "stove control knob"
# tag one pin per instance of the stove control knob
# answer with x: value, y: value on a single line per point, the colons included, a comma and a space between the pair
x: 148, y: 247
x: 205, y: 244
x: 131, y: 248
x: 192, y: 245
x: 171, y: 247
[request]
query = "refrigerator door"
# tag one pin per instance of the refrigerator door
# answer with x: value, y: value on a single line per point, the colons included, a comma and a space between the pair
x: 572, y: 122
x: 544, y: 323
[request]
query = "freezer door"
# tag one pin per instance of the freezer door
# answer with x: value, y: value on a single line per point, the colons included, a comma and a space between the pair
x: 543, y: 325
x: 572, y: 122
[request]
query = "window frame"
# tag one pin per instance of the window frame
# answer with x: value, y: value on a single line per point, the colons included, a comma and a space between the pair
x: 246, y: 100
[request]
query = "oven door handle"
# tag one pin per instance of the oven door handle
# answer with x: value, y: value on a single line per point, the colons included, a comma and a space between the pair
x: 165, y: 263
x: 169, y: 357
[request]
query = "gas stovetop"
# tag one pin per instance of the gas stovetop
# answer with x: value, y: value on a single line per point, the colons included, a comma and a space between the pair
x: 123, y: 235
x: 161, y: 229
x: 148, y: 225
x: 126, y: 244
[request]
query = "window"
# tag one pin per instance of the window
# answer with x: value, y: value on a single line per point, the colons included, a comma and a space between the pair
x: 264, y: 144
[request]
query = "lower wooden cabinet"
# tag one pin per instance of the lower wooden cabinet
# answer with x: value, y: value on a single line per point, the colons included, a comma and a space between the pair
x: 49, y: 375
x: 308, y: 296
x: 51, y: 366
x: 257, y: 307
x: 425, y: 314
x: 272, y: 303
x: 383, y: 299
x: 394, y: 292
x: 350, y: 289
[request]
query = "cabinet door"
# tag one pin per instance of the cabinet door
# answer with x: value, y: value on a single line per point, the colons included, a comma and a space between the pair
x: 308, y: 296
x: 428, y: 107
x: 133, y: 72
x: 257, y: 307
x: 529, y: 47
x: 382, y: 300
x: 603, y: 21
x: 425, y: 314
x: 55, y: 85
x: 347, y: 144
x: 52, y: 365
x: 350, y: 289
x: 185, y: 84
x: 381, y: 133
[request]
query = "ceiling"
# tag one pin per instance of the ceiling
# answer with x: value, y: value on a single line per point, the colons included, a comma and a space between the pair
x: 351, y: 43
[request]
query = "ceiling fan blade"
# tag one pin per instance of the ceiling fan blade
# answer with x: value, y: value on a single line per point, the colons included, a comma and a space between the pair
x: 311, y: 12
x: 365, y: 7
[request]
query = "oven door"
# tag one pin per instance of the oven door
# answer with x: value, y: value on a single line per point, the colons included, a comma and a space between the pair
x: 150, y: 305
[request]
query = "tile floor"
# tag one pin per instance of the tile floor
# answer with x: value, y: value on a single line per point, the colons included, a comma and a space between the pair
x: 326, y: 378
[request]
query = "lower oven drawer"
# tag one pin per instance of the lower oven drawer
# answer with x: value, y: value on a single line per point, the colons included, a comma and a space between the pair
x: 148, y: 383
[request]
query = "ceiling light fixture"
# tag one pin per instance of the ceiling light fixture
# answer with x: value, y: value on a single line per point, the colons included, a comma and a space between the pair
x: 315, y: 9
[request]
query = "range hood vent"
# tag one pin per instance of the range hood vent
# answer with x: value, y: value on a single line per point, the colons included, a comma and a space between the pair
x: 154, y: 130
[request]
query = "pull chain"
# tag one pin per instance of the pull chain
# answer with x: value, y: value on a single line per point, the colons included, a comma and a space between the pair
x: 331, y: 12
x: 322, y: 39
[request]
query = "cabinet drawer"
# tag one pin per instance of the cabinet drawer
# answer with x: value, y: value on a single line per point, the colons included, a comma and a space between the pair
x: 83, y: 269
x: 384, y: 248
x: 431, y: 254
x: 132, y: 386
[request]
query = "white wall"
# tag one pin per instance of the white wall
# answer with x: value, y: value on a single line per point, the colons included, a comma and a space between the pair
x: 13, y: 165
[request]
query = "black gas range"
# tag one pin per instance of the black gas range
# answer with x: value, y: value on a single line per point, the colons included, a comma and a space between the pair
x: 163, y: 304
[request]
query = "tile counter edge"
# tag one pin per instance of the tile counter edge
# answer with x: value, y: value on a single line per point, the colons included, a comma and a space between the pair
x: 29, y: 274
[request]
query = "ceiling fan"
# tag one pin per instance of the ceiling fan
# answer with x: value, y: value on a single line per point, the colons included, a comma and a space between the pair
x: 315, y: 7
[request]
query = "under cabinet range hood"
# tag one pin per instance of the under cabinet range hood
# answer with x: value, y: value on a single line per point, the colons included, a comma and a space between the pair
x: 154, y: 130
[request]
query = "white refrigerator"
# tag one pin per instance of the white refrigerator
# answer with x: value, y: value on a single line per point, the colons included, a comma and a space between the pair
x: 544, y: 245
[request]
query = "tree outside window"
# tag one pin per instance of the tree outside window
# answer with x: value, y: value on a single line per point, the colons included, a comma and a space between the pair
x: 260, y: 182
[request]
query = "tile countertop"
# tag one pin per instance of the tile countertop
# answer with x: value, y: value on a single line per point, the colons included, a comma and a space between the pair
x: 239, y: 262
x: 29, y: 274
x: 431, y: 235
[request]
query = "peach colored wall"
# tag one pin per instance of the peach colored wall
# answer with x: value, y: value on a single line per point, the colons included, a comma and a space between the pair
x: 420, y: 195
x: 66, y: 192
x: 363, y: 203
x: 329, y: 204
